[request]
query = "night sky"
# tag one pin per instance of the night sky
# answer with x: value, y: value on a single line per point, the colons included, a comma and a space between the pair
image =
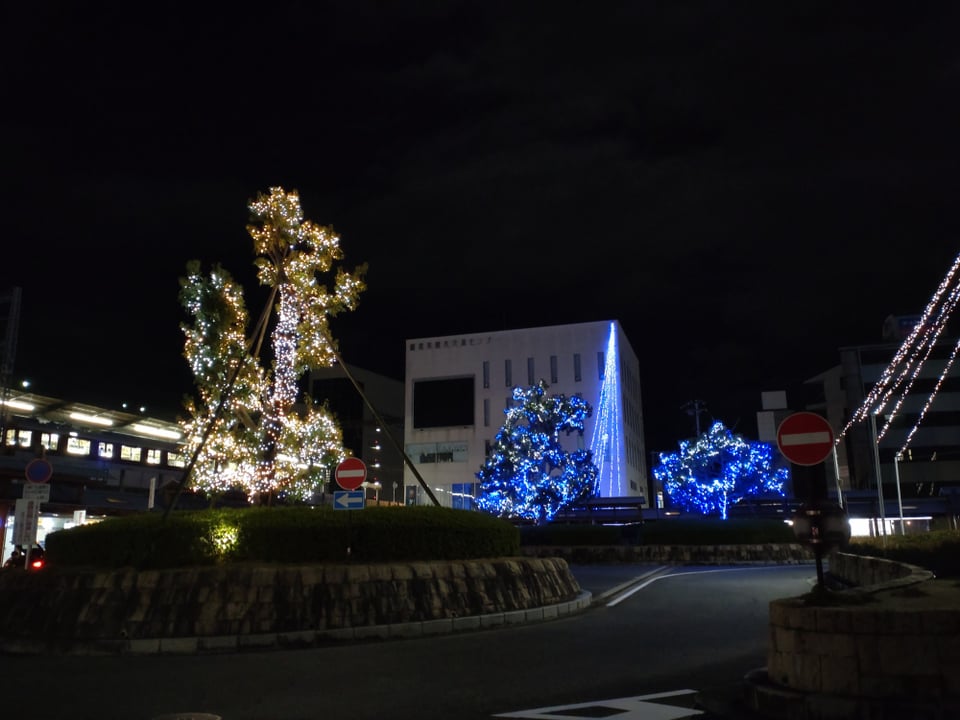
x: 746, y: 187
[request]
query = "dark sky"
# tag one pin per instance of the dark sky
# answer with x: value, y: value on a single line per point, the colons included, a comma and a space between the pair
x: 747, y: 187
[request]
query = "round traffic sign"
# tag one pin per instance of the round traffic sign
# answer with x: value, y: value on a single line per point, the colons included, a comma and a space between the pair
x: 351, y: 473
x: 805, y: 438
x: 38, y: 470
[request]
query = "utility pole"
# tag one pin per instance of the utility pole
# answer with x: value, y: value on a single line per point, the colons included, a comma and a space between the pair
x: 8, y: 352
x: 694, y: 408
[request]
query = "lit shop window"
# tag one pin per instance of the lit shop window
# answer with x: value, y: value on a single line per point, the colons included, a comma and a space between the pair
x: 176, y: 460
x: 153, y: 456
x: 130, y: 453
x: 49, y: 441
x: 78, y: 446
x: 105, y: 450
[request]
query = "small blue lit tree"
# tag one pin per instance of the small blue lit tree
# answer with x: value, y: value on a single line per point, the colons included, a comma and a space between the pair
x: 529, y: 475
x: 719, y: 469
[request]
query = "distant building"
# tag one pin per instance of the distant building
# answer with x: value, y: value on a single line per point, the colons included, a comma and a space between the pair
x: 930, y: 462
x: 373, y: 435
x: 457, y: 387
x: 103, y: 461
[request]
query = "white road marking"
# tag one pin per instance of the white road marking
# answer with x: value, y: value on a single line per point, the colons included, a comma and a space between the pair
x: 629, y: 708
x: 636, y: 588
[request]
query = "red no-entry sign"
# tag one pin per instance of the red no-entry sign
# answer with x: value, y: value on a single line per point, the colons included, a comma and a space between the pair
x: 351, y: 473
x: 805, y: 438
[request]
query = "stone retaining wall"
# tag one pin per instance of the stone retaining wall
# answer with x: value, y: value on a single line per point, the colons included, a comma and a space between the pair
x: 229, y: 607
x: 110, y: 611
x: 851, y: 660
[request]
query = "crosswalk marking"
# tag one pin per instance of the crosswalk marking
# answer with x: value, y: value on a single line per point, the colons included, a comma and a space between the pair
x: 641, y: 707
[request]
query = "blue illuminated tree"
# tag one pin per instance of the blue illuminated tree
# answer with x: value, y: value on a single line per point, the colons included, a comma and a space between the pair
x: 529, y: 475
x: 719, y: 469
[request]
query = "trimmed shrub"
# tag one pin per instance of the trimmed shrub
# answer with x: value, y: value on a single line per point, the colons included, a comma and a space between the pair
x: 283, y: 535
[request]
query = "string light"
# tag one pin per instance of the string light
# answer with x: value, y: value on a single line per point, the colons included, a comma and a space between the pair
x: 606, y: 440
x: 259, y: 443
x: 910, y: 357
x: 929, y: 402
x: 528, y: 474
x: 719, y: 469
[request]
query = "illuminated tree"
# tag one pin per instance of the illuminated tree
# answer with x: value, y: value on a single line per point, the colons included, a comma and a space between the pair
x: 244, y: 424
x: 719, y: 469
x: 528, y: 474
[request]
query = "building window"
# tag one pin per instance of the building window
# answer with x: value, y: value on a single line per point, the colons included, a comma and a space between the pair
x: 576, y: 367
x: 508, y: 372
x: 486, y: 373
x: 105, y: 450
x: 553, y: 369
x: 153, y: 456
x: 132, y: 454
x: 530, y: 371
x: 486, y: 412
x: 176, y: 460
x: 600, y: 365
x: 78, y: 446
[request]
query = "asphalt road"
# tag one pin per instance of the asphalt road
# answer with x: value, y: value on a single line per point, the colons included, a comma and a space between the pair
x: 667, y: 635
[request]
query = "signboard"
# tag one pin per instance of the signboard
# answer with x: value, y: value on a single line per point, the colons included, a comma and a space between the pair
x: 38, y: 470
x: 805, y: 438
x: 351, y: 473
x: 36, y: 491
x: 348, y: 499
x: 25, y: 517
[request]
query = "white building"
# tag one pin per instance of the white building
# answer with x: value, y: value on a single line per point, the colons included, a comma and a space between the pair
x: 458, y: 386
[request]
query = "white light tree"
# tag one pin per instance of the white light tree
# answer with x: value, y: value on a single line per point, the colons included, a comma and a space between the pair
x: 243, y: 430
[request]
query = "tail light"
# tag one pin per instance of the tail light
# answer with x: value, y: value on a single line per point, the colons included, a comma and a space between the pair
x: 36, y: 564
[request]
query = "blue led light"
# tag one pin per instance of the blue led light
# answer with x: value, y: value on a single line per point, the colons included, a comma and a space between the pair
x: 718, y: 470
x: 529, y: 475
x: 607, y: 440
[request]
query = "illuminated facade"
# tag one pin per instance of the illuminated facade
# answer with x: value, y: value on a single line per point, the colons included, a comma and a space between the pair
x: 458, y: 386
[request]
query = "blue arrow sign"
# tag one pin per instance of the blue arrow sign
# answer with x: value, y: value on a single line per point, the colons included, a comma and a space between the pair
x: 347, y: 499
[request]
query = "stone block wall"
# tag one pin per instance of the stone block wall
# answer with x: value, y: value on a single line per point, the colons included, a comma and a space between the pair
x: 68, y: 610
x: 866, y: 654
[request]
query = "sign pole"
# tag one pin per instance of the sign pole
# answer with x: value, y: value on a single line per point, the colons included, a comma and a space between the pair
x: 806, y: 440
